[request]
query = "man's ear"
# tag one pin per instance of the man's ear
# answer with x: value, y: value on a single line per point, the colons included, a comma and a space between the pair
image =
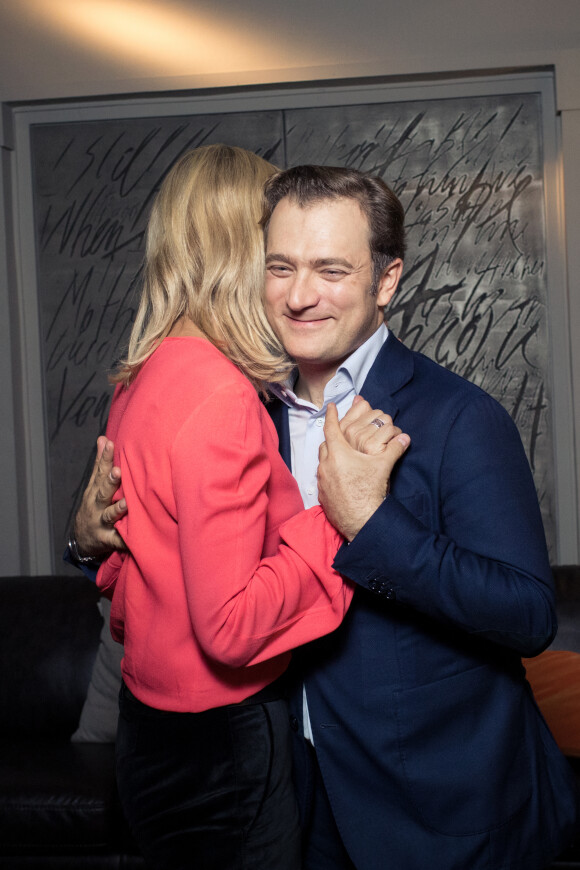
x: 389, y: 281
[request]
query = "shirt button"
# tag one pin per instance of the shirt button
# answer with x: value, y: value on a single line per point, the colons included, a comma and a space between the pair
x: 310, y: 490
x: 319, y: 422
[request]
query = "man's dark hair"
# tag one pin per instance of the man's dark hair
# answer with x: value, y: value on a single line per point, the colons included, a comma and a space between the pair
x: 308, y: 184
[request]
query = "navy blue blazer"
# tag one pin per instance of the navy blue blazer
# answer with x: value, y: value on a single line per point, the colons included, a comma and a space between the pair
x: 431, y: 746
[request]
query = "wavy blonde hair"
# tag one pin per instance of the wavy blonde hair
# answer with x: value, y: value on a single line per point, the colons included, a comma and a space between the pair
x: 205, y: 259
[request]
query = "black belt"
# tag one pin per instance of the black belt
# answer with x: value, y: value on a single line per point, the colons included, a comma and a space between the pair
x: 272, y: 692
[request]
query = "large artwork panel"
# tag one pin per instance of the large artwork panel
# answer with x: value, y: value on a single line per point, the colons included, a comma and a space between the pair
x: 469, y: 171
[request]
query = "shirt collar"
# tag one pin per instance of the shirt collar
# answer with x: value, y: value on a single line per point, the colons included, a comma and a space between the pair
x: 356, y: 367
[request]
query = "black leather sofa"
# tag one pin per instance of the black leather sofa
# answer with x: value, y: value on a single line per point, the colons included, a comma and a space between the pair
x: 58, y: 801
x: 58, y: 665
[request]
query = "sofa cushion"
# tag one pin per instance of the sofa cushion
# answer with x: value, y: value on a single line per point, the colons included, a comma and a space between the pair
x: 98, y: 723
x: 554, y: 676
x: 57, y: 796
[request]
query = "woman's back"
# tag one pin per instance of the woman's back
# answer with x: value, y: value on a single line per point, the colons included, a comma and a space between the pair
x: 207, y: 491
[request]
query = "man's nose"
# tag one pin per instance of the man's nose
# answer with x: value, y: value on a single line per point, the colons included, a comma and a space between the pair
x: 302, y: 293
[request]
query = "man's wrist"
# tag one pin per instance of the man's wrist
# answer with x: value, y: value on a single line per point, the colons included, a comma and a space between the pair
x: 77, y: 558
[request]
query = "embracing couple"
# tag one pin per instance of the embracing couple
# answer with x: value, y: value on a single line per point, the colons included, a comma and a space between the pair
x: 293, y: 478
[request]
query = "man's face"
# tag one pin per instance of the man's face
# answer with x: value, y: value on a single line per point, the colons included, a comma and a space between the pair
x: 318, y: 282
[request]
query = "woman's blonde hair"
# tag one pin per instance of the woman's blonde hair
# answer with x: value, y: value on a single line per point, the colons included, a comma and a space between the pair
x: 205, y: 259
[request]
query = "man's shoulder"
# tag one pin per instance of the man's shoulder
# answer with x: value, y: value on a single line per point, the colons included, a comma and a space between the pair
x: 400, y: 365
x: 445, y: 378
x: 430, y: 383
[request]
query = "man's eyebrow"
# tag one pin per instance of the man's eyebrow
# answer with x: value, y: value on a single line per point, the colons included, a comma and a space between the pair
x: 279, y: 258
x: 331, y: 261
x: 318, y: 263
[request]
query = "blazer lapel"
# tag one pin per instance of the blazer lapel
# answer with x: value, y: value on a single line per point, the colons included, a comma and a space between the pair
x: 279, y: 413
x: 392, y: 370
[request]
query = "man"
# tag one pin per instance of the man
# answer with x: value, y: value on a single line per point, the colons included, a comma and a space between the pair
x: 418, y: 743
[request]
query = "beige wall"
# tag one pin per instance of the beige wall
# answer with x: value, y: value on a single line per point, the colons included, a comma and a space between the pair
x: 54, y: 49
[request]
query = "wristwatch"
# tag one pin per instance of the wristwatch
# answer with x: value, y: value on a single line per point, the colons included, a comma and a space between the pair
x: 76, y: 558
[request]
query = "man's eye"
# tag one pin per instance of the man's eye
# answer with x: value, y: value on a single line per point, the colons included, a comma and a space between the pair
x: 276, y: 269
x: 334, y: 273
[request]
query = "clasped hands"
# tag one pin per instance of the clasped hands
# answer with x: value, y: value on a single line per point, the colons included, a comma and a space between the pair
x: 356, y: 461
x: 355, y: 465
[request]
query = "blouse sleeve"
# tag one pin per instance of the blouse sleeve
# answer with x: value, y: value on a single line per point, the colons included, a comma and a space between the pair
x: 108, y: 573
x: 244, y: 607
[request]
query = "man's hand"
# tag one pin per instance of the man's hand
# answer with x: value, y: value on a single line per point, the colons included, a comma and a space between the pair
x: 352, y: 484
x: 94, y: 528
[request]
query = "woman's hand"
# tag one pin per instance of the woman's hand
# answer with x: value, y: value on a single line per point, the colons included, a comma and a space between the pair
x: 355, y: 465
x: 368, y: 429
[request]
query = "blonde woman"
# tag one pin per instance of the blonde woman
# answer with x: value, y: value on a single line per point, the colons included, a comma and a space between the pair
x: 224, y: 573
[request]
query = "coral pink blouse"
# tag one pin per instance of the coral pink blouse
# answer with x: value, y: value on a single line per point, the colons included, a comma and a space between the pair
x: 226, y: 572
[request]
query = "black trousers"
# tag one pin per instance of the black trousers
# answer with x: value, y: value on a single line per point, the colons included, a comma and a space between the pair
x: 211, y: 790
